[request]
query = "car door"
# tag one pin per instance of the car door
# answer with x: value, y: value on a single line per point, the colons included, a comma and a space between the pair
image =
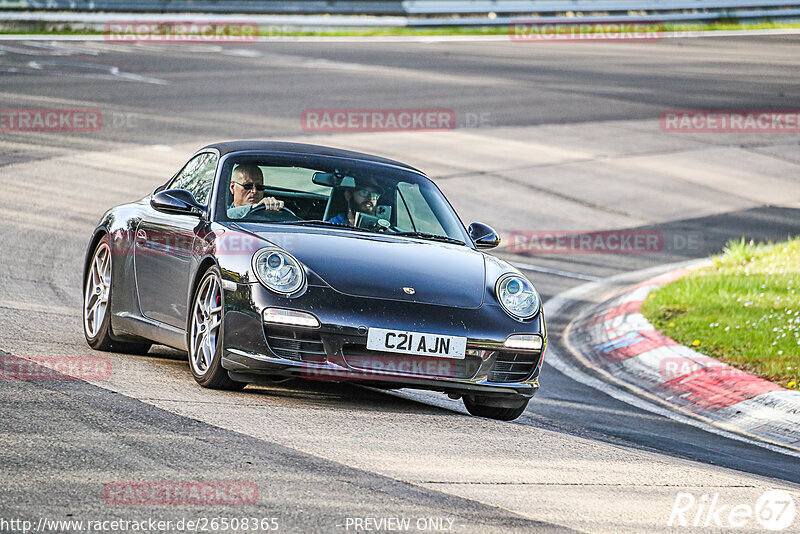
x: 164, y: 244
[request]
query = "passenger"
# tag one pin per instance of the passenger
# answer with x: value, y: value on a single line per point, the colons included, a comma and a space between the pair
x: 364, y: 198
x: 247, y: 188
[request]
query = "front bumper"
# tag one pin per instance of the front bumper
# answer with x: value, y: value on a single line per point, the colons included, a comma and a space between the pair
x: 336, y: 350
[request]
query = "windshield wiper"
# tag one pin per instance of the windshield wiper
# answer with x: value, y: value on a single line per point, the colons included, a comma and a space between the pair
x: 420, y: 235
x: 432, y: 237
x: 322, y: 223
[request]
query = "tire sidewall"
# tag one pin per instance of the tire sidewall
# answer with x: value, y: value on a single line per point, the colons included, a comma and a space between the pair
x: 214, y: 369
x: 476, y: 407
x: 102, y: 340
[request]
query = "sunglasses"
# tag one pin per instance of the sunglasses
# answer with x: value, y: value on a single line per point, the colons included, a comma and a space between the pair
x: 367, y: 193
x: 250, y: 186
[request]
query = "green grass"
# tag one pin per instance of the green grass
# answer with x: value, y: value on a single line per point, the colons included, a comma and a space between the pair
x: 744, y: 310
x: 277, y: 33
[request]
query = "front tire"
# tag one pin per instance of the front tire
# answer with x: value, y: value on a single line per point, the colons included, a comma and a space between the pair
x: 204, y: 335
x: 97, y: 305
x: 505, y: 410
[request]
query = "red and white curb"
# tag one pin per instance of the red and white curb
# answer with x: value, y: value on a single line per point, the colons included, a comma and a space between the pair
x: 615, y: 337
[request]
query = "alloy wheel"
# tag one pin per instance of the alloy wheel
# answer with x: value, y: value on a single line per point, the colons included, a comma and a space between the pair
x: 98, y: 288
x: 206, y: 319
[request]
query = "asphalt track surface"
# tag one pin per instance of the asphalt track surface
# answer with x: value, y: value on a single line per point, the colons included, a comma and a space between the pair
x: 567, y: 139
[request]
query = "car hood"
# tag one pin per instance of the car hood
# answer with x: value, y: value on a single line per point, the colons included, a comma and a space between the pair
x: 382, y: 266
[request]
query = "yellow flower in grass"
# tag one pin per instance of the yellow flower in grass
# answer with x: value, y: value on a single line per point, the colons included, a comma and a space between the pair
x: 696, y: 342
x: 792, y: 384
x: 671, y: 325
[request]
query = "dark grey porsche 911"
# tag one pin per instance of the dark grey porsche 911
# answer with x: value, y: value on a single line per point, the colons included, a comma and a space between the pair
x: 268, y: 260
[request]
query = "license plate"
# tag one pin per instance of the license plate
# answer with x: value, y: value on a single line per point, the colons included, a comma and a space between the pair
x: 417, y: 343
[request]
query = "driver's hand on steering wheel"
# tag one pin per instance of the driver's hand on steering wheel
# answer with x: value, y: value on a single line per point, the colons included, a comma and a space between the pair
x: 269, y: 203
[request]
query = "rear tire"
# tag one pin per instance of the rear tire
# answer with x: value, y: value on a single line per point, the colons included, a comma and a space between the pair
x: 97, y: 305
x: 204, y: 334
x: 485, y: 407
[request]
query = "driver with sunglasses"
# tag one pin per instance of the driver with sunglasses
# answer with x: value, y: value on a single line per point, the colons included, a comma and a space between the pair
x: 247, y: 188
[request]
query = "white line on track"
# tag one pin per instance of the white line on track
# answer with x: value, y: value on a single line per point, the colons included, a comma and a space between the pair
x: 90, y: 70
x: 556, y: 272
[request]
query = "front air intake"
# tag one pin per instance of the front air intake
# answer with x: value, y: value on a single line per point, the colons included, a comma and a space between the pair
x: 295, y: 343
x: 513, y: 366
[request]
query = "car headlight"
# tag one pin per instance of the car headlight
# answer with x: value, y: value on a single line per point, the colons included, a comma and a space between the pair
x: 517, y: 296
x: 279, y: 271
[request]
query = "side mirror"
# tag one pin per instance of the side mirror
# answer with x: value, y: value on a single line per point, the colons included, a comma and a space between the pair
x: 483, y: 235
x: 179, y: 201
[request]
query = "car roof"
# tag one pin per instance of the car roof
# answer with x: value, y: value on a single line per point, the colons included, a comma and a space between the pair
x: 228, y: 147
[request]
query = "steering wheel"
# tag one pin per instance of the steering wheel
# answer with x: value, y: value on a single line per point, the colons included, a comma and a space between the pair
x: 262, y: 207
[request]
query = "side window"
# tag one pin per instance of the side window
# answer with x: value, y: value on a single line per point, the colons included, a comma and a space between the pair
x: 197, y: 177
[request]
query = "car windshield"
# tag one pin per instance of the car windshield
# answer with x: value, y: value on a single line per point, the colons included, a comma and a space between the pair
x: 335, y: 192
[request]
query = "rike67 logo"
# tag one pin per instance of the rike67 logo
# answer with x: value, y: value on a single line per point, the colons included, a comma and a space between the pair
x: 774, y: 510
